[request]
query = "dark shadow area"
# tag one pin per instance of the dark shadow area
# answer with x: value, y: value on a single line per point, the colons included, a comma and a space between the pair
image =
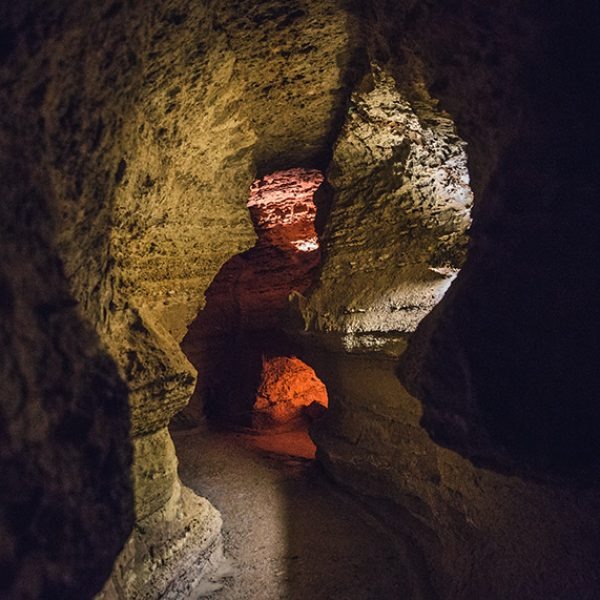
x: 64, y: 431
x: 506, y: 366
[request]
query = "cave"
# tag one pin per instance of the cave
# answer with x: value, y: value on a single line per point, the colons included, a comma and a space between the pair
x: 237, y: 342
x: 298, y: 299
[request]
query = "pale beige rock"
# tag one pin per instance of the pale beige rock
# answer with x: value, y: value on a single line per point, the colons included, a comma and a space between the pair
x: 396, y: 234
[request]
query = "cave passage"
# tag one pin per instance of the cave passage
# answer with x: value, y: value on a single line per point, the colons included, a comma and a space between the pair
x: 249, y: 374
x: 288, y: 532
x: 442, y: 284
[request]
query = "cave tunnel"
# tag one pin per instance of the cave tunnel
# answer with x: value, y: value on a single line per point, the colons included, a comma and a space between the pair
x: 248, y: 371
x: 298, y: 298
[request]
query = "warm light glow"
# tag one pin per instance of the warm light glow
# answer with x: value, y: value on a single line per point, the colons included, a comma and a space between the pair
x: 306, y: 245
x: 283, y: 209
x: 289, y: 389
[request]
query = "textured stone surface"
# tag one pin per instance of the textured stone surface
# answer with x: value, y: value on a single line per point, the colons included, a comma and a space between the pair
x: 504, y: 363
x: 298, y: 60
x: 66, y: 503
x: 506, y: 366
x: 289, y: 389
x: 283, y: 209
x: 401, y: 200
x: 65, y: 494
x: 176, y: 539
x: 129, y: 137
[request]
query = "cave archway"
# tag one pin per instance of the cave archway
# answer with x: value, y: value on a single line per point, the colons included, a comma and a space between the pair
x: 248, y: 373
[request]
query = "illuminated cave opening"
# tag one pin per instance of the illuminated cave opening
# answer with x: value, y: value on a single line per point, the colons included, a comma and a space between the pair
x: 249, y: 372
x: 289, y: 392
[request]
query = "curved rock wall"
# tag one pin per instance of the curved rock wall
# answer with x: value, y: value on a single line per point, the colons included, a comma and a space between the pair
x: 470, y: 532
x: 505, y: 367
x: 130, y: 137
x: 66, y: 495
x: 65, y: 453
x: 503, y: 364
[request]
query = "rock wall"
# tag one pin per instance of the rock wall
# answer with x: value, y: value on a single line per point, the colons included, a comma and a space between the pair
x: 485, y: 464
x: 66, y: 501
x: 289, y: 393
x: 516, y: 390
x: 65, y: 453
x: 131, y: 134
x: 396, y: 230
x: 470, y: 532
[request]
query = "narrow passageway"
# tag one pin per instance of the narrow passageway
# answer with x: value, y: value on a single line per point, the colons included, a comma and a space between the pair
x: 288, y: 533
x: 239, y: 329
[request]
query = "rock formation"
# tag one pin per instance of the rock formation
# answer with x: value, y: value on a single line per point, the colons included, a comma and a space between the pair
x: 501, y: 513
x: 129, y: 135
x: 241, y: 322
x: 460, y: 358
x: 396, y: 230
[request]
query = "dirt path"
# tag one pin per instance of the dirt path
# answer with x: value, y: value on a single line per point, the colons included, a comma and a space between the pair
x: 289, y: 534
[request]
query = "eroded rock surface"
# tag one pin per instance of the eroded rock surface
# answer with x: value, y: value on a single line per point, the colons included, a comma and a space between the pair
x: 129, y: 137
x: 506, y: 367
x: 400, y: 210
x: 474, y: 532
x: 495, y: 361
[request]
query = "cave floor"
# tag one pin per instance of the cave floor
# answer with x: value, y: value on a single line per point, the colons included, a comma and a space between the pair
x: 288, y: 532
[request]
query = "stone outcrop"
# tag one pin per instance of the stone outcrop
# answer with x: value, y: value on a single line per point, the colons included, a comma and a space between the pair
x: 491, y: 480
x: 470, y: 532
x: 283, y: 209
x: 401, y: 206
x: 65, y: 455
x: 505, y: 366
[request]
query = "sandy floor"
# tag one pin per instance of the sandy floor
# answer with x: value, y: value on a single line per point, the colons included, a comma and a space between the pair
x: 289, y: 534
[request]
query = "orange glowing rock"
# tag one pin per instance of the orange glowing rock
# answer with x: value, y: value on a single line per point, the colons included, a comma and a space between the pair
x: 289, y: 390
x: 283, y: 209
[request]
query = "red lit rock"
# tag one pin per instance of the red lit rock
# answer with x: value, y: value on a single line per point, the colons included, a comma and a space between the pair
x: 289, y: 389
x: 252, y: 288
x: 283, y: 209
x: 250, y: 293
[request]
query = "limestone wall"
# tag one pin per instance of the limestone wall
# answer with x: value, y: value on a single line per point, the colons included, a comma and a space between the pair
x: 487, y: 464
x: 130, y: 137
